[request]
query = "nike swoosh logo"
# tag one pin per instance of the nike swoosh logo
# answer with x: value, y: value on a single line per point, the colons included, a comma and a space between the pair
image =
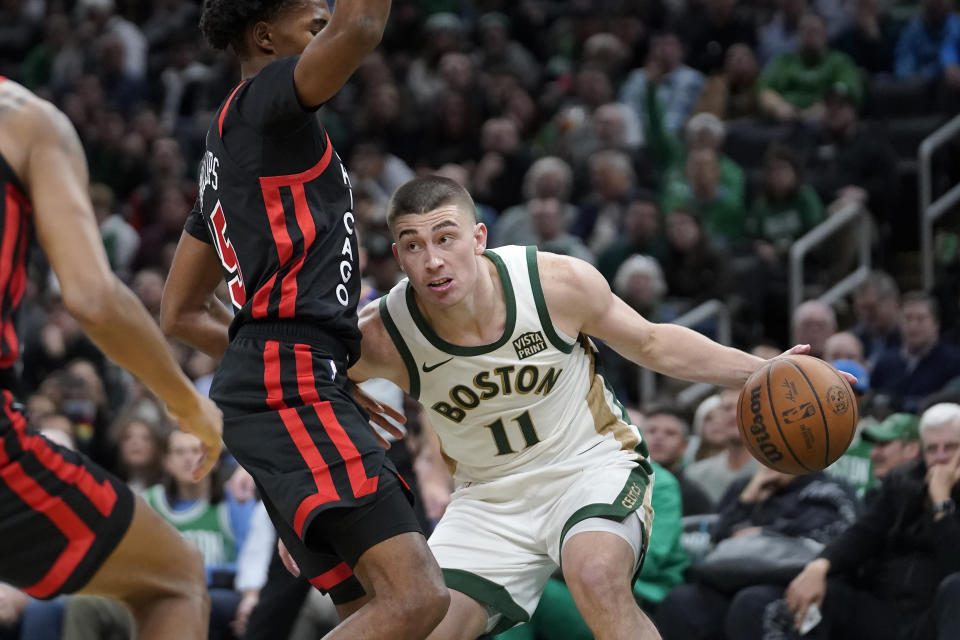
x: 427, y: 369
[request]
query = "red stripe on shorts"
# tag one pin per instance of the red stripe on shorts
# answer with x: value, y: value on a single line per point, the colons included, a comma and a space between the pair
x: 329, y: 579
x: 326, y: 490
x: 100, y: 494
x: 362, y: 484
x: 79, y: 537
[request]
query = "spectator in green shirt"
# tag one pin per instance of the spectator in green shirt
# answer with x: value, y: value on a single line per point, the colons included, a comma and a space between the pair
x: 793, y: 86
x: 700, y: 190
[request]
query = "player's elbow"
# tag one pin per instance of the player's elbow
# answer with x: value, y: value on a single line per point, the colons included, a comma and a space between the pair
x: 172, y: 318
x: 91, y: 302
x: 366, y: 30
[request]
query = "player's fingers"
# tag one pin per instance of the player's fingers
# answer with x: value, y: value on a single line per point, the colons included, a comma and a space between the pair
x: 383, y: 441
x: 849, y: 377
x: 387, y: 426
x: 796, y: 350
x: 390, y: 412
x: 287, y: 559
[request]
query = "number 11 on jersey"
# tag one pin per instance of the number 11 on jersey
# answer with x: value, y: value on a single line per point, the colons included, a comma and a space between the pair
x: 499, y: 432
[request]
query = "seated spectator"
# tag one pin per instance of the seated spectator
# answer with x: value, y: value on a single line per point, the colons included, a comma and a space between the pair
x: 667, y: 435
x: 780, y: 34
x: 732, y: 94
x: 922, y: 41
x: 670, y: 155
x: 377, y: 171
x: 547, y: 177
x: 924, y: 363
x: 713, y: 29
x: 140, y: 443
x: 860, y: 582
x: 120, y: 240
x: 895, y: 442
x: 876, y: 303
x: 844, y: 346
x: 499, y: 54
x: 613, y: 181
x: 793, y: 86
x: 639, y: 282
x: 550, y: 230
x: 812, y: 323
x: 849, y: 161
x: 676, y: 85
x: 700, y: 190
x: 709, y: 431
x: 697, y: 270
x: 769, y: 502
x: 504, y: 160
x: 642, y: 234
x: 207, y: 516
x: 782, y: 212
x: 715, y: 474
x: 870, y: 38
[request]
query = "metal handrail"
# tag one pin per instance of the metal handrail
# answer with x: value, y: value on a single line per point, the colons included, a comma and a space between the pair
x: 930, y: 210
x: 703, y: 311
x: 848, y: 213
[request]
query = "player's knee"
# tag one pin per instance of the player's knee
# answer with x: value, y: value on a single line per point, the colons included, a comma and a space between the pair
x: 596, y: 581
x: 425, y: 605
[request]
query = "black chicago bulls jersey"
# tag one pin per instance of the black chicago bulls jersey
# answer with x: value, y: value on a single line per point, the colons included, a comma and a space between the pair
x: 15, y: 226
x: 275, y: 201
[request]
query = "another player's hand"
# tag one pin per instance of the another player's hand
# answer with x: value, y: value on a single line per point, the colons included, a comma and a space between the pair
x: 379, y: 413
x: 241, y: 485
x: 244, y: 609
x: 807, y: 588
x: 205, y: 421
x: 804, y: 349
x: 287, y: 559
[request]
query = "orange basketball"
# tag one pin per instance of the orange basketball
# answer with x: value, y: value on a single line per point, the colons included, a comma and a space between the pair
x: 797, y: 414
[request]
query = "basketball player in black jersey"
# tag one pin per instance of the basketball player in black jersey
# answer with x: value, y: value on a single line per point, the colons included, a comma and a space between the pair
x: 66, y: 525
x: 274, y: 218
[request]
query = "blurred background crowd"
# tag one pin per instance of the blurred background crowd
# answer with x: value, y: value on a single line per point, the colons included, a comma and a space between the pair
x: 681, y: 146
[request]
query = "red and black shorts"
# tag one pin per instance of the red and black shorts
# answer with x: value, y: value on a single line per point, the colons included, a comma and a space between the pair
x: 291, y: 421
x: 61, y: 515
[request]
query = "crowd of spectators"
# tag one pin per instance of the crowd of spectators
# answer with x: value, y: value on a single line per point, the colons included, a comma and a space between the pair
x: 681, y: 146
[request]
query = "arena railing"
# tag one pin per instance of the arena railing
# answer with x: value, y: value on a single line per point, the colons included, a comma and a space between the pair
x: 846, y: 214
x: 699, y: 314
x: 930, y: 209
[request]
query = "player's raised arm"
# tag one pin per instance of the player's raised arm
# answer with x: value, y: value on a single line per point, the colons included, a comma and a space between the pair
x: 353, y: 31
x: 580, y: 300
x: 106, y: 309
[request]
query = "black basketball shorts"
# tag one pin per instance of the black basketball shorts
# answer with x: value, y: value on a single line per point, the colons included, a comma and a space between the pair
x: 291, y: 421
x: 61, y: 515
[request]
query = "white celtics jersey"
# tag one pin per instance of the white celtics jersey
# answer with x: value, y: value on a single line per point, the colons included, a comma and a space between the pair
x: 531, y: 399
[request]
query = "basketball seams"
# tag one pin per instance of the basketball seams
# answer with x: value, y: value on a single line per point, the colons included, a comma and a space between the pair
x: 773, y: 412
x: 743, y: 432
x: 853, y: 405
x: 823, y: 416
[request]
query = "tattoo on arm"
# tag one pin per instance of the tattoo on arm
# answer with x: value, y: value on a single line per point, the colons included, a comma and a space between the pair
x: 68, y: 138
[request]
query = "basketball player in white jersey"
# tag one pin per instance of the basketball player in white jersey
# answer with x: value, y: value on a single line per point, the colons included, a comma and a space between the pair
x: 548, y: 469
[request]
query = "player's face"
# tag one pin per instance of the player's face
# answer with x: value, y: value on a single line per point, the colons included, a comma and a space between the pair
x: 293, y: 29
x: 438, y: 251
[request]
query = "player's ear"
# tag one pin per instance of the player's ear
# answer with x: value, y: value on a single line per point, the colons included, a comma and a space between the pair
x: 262, y: 37
x: 480, y: 238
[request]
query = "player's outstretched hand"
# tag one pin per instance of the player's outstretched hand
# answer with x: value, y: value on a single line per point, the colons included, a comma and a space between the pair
x: 804, y: 349
x: 379, y: 413
x: 206, y: 422
x: 287, y: 559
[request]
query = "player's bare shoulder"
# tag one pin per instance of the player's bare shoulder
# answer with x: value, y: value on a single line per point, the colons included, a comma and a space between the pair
x: 30, y: 125
x: 573, y: 289
x: 379, y: 357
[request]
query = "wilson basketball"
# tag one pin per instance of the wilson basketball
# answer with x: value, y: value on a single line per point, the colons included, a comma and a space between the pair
x: 797, y: 414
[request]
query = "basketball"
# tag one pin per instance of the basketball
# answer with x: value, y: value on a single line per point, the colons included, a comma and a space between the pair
x: 797, y: 414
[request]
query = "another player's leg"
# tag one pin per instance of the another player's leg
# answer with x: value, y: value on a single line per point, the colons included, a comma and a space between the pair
x: 466, y: 619
x: 598, y: 567
x: 159, y: 575
x: 409, y: 598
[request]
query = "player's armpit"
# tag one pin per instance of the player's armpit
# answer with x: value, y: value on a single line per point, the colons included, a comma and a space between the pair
x: 379, y: 357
